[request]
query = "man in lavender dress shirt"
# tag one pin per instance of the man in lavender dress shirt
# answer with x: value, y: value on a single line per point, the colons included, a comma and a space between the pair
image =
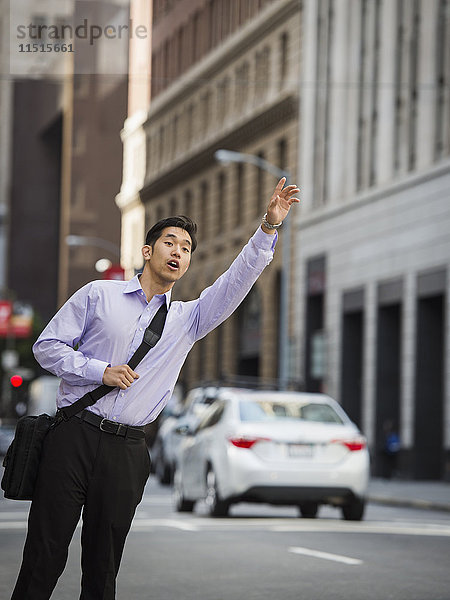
x: 87, y: 343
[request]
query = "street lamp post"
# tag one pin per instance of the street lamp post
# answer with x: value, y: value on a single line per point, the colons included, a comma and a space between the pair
x: 84, y: 240
x: 226, y: 157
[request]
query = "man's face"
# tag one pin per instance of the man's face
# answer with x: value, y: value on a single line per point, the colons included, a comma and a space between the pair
x: 170, y: 257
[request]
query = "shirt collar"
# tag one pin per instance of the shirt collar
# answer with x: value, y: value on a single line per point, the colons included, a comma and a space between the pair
x: 134, y: 285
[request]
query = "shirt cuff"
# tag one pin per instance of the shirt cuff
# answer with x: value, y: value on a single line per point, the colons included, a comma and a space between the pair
x: 95, y: 370
x: 265, y: 241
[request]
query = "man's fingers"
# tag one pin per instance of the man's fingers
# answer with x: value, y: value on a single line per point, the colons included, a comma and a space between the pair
x: 280, y: 185
x: 290, y: 189
x: 121, y: 376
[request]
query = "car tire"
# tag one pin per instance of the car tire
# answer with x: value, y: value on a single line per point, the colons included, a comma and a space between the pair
x: 309, y: 510
x: 182, y: 504
x: 216, y: 506
x: 354, y: 510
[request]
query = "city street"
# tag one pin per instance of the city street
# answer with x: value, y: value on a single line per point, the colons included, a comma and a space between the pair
x: 259, y: 553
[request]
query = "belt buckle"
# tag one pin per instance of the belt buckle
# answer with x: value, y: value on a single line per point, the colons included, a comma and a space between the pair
x: 101, y: 426
x: 116, y: 428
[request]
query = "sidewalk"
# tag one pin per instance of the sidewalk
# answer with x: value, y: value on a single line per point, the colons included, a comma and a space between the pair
x: 430, y: 495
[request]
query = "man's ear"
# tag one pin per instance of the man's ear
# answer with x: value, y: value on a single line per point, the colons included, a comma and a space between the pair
x: 147, y: 252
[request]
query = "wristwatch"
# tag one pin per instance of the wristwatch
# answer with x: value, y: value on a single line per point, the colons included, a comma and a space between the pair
x: 266, y: 223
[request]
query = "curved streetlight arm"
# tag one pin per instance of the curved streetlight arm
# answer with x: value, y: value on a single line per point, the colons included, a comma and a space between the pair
x: 83, y: 240
x: 228, y: 156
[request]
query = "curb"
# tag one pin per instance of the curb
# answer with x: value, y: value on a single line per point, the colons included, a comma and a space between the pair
x: 405, y: 503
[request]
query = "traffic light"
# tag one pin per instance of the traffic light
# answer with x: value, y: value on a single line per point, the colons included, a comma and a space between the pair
x: 16, y: 380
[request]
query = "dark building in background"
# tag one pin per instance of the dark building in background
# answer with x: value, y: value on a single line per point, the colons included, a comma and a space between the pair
x: 92, y: 155
x: 35, y: 194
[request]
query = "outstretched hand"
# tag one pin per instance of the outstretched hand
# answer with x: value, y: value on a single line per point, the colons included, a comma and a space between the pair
x: 281, y: 201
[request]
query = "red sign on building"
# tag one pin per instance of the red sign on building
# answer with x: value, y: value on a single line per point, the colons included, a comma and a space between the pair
x: 16, y: 319
x: 5, y: 317
x: 114, y: 272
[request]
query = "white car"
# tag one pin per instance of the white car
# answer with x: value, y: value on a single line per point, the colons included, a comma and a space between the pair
x: 165, y: 447
x: 285, y: 448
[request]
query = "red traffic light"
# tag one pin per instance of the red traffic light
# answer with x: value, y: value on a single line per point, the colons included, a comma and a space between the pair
x: 16, y: 381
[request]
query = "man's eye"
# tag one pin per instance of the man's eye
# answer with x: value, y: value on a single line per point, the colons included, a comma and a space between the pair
x: 169, y: 243
x: 186, y: 250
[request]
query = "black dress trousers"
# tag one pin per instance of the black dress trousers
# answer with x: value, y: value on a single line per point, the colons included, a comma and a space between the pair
x: 83, y: 469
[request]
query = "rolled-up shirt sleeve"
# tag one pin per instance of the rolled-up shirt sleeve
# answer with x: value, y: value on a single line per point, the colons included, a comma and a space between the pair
x: 55, y: 348
x: 217, y: 302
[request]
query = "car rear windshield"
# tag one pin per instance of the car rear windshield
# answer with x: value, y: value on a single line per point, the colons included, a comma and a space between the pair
x: 270, y: 410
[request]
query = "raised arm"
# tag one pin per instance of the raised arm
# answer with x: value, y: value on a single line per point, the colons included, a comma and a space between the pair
x: 220, y: 300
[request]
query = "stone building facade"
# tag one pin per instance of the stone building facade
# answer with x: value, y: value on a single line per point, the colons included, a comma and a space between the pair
x: 372, y: 279
x: 235, y: 86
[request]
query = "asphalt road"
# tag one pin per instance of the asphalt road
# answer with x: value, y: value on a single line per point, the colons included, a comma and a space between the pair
x: 260, y: 553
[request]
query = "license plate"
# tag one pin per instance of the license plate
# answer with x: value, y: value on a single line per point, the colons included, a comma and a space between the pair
x: 300, y: 450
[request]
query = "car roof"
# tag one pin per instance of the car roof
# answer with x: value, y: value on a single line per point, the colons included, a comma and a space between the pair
x: 245, y: 393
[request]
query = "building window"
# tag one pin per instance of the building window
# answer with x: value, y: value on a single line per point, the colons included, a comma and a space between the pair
x: 322, y: 93
x: 242, y: 86
x: 282, y: 155
x: 172, y: 207
x: 187, y: 208
x: 408, y: 29
x: 442, y: 50
x: 190, y: 116
x: 79, y: 139
x: 39, y: 31
x: 374, y: 94
x: 221, y: 185
x: 196, y: 39
x: 262, y: 73
x: 284, y: 52
x: 161, y: 145
x: 240, y: 174
x: 175, y: 136
x: 260, y: 204
x: 362, y: 75
x: 205, y: 112
x: 223, y: 100
x: 204, y: 210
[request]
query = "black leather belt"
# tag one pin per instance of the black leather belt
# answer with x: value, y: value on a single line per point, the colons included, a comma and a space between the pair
x: 112, y: 427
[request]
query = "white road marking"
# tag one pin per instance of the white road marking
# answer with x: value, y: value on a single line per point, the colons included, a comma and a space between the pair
x: 173, y: 523
x: 325, y: 555
x: 17, y: 520
x: 379, y: 528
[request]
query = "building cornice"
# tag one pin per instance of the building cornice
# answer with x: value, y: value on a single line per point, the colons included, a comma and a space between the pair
x: 408, y: 181
x: 284, y: 109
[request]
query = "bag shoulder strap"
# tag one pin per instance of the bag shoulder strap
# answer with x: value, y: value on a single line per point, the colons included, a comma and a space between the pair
x: 151, y: 337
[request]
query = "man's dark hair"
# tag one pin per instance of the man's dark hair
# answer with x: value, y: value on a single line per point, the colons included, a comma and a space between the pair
x: 179, y: 221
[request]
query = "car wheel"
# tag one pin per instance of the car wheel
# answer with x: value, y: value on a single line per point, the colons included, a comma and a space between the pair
x: 181, y: 503
x: 309, y: 510
x: 216, y: 506
x: 354, y: 510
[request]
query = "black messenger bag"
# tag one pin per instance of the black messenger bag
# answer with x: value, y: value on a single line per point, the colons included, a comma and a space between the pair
x: 24, y: 454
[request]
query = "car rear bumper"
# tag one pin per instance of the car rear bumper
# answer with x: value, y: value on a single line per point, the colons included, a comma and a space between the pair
x: 285, y: 495
x: 246, y: 477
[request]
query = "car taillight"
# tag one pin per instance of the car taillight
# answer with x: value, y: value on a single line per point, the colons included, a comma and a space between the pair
x: 246, y: 442
x: 352, y: 445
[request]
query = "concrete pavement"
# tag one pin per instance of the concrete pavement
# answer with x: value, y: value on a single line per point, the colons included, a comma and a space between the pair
x: 430, y: 495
